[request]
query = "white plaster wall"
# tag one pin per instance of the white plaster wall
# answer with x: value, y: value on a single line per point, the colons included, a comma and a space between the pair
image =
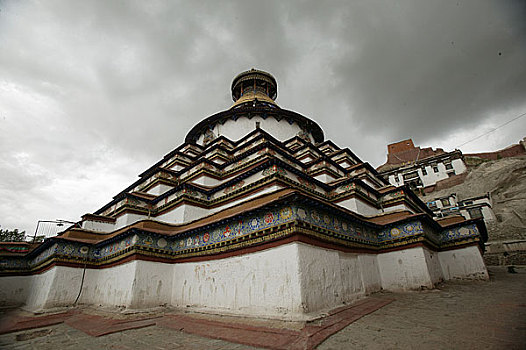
x: 352, y: 282
x: 330, y: 278
x: 488, y: 214
x: 463, y: 263
x: 192, y: 213
x: 465, y: 214
x: 265, y: 283
x: 398, y: 207
x: 186, y: 213
x: 321, y: 277
x: 404, y: 269
x: 56, y: 287
x: 393, y: 180
x: 152, y: 284
x: 128, y: 219
x: 359, y: 207
x: 325, y: 178
x: 159, y: 189
x: 282, y: 282
x: 266, y: 190
x: 98, y: 226
x: 14, y: 290
x: 110, y: 286
x: 174, y: 216
x: 235, y: 130
x: 137, y: 285
x: 39, y: 289
x: 206, y: 180
x: 369, y: 182
x: 459, y: 166
x: 432, y: 177
x: 371, y: 278
x: 176, y: 167
x: 433, y: 266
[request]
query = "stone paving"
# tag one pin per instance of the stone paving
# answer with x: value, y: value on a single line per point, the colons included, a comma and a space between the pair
x: 456, y: 315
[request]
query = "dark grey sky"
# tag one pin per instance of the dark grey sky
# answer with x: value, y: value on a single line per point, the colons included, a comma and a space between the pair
x: 93, y: 92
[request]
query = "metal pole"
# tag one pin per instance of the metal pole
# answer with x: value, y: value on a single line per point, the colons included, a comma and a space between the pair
x: 35, y: 236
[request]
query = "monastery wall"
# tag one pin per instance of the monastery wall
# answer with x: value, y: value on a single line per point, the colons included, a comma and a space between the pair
x: 358, y: 206
x: 404, y: 269
x: 463, y: 263
x: 265, y: 283
x: 56, y: 287
x: 292, y: 281
x: 14, y: 290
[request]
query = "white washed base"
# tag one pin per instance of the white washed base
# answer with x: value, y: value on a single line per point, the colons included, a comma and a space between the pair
x: 295, y: 281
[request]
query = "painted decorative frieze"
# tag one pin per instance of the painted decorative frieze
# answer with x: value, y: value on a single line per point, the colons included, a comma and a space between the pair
x: 274, y: 170
x: 234, y: 187
x: 323, y: 220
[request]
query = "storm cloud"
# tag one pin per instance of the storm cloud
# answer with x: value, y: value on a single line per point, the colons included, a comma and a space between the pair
x: 94, y: 92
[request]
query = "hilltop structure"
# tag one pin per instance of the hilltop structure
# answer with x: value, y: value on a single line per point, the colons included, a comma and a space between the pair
x: 420, y: 167
x: 254, y: 214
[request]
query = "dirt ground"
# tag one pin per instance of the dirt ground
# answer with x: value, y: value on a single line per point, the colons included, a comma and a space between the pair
x: 456, y: 315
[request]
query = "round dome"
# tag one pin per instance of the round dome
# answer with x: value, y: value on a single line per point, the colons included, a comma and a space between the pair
x: 253, y: 92
x: 253, y: 84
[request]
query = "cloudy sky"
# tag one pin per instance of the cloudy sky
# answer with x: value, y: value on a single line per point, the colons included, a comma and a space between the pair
x: 94, y: 92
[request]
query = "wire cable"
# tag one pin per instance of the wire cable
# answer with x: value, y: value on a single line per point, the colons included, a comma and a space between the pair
x: 489, y: 132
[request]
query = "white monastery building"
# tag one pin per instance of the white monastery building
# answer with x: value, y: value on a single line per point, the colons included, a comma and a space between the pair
x: 254, y: 214
x: 420, y: 167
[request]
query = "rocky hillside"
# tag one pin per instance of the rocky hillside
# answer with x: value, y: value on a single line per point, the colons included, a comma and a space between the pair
x: 505, y: 180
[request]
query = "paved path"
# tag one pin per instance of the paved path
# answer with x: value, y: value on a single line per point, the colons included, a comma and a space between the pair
x: 458, y: 315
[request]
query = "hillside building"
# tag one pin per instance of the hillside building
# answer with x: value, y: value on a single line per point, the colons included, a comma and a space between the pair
x: 420, y: 167
x: 469, y: 208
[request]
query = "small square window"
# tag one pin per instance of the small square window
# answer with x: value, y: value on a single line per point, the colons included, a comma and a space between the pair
x: 445, y: 202
x: 475, y: 213
x: 424, y: 171
x: 449, y: 166
x: 432, y: 205
x: 435, y: 168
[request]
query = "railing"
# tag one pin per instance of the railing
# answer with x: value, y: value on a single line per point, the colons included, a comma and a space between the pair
x: 50, y: 228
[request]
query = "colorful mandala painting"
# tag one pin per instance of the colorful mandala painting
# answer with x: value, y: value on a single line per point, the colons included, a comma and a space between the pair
x: 254, y: 224
x: 269, y: 218
x: 336, y: 223
x: 285, y: 213
x: 162, y: 243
